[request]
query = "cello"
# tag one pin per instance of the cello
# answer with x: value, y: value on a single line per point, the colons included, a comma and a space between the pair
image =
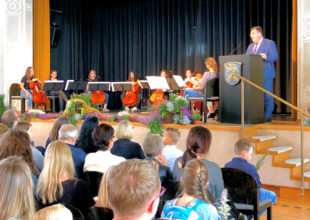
x: 38, y: 96
x: 97, y: 97
x: 131, y: 97
x: 157, y: 97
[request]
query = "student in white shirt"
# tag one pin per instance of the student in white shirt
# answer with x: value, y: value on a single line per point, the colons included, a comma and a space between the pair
x: 170, y: 151
x: 102, y: 160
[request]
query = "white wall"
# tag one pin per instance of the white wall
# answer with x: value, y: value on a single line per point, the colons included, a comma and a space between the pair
x: 303, y: 60
x: 15, y: 41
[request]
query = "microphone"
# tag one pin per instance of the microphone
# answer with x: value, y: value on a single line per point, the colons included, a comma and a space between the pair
x: 231, y: 52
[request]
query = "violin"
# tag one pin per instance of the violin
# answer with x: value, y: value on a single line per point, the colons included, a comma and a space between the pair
x: 38, y: 96
x: 131, y: 97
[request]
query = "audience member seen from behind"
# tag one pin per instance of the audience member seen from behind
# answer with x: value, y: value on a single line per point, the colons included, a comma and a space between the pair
x: 85, y: 140
x: 134, y: 189
x: 68, y: 134
x: 153, y: 147
x: 102, y: 160
x: 57, y: 183
x: 243, y: 154
x: 170, y: 150
x: 36, y: 154
x: 53, y: 136
x: 194, y: 198
x: 197, y: 146
x: 9, y: 117
x: 124, y: 147
x: 17, y: 143
x: 54, y: 212
x: 16, y: 199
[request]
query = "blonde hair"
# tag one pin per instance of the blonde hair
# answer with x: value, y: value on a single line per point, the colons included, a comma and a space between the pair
x: 16, y: 200
x: 124, y: 130
x: 195, y: 180
x: 137, y: 183
x: 174, y: 134
x: 210, y: 61
x: 103, y: 190
x: 57, y: 162
x: 54, y: 212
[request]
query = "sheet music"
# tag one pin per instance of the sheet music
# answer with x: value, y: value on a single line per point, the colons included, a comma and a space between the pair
x: 157, y: 82
x: 141, y: 82
x: 67, y: 84
x: 179, y: 80
x: 105, y: 83
x: 54, y: 81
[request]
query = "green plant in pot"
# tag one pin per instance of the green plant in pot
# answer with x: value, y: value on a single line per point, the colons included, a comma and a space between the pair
x: 196, y: 117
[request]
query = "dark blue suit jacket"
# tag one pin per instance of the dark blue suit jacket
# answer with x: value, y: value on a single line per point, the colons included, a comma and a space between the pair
x: 269, y: 48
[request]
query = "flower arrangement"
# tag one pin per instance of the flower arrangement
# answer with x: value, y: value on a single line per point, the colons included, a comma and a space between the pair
x: 307, y: 121
x: 222, y: 206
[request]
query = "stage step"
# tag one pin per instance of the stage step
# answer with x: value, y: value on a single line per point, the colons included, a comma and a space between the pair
x: 280, y: 149
x: 262, y: 143
x: 264, y: 137
x: 296, y: 161
x: 307, y: 174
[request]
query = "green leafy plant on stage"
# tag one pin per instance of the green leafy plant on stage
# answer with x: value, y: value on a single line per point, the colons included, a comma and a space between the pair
x: 75, y: 111
x: 155, y: 127
x: 83, y: 96
x: 196, y: 116
x: 112, y: 118
x: 2, y: 106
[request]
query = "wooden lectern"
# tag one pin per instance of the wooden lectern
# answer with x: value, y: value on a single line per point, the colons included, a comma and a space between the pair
x: 252, y: 68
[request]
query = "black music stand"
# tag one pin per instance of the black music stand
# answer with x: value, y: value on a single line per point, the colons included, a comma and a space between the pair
x: 76, y: 85
x: 53, y: 86
x: 145, y: 87
x: 122, y: 86
x: 99, y: 86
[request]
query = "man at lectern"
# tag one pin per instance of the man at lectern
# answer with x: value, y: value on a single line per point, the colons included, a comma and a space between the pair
x: 268, y: 51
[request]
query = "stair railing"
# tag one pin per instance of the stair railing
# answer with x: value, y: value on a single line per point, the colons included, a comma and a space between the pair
x: 302, y: 114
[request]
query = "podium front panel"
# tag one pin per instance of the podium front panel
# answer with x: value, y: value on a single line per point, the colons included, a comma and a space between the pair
x: 252, y: 68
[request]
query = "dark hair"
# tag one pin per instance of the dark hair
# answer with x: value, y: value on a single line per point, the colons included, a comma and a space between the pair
x: 9, y: 117
x: 242, y: 145
x: 85, y: 140
x: 56, y: 126
x: 17, y: 143
x: 198, y: 141
x: 102, y: 134
x: 258, y: 29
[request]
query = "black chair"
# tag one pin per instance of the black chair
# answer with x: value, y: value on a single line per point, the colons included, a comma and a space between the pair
x: 14, y: 93
x: 98, y: 213
x: 211, y: 95
x: 242, y: 188
x: 93, y: 180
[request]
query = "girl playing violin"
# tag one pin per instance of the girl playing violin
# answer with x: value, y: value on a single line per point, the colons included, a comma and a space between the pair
x: 25, y: 91
x: 190, y: 79
x: 92, y: 77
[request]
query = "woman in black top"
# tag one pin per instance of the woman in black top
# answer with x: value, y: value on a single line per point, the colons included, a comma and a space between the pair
x: 25, y: 91
x: 124, y: 147
x: 57, y: 183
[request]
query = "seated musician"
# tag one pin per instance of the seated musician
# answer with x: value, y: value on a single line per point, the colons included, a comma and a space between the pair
x: 190, y: 79
x: 92, y: 77
x: 199, y: 90
x: 159, y: 95
x: 62, y: 97
x: 132, y: 99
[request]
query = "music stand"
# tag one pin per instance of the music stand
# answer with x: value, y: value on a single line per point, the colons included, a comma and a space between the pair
x: 145, y: 86
x: 122, y: 86
x: 76, y: 85
x: 158, y: 82
x: 99, y: 86
x: 53, y: 86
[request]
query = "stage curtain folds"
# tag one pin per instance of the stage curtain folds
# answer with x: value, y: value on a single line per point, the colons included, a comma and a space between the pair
x: 145, y: 36
x: 41, y: 39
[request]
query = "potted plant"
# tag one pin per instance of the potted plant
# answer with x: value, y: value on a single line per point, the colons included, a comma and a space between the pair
x: 196, y: 118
